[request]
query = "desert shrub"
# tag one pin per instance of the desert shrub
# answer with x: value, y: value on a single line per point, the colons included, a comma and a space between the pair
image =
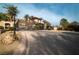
x: 38, y: 26
x: 1, y: 27
x: 59, y: 28
x: 11, y: 28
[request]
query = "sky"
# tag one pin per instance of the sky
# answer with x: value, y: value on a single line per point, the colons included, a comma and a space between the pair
x: 52, y: 12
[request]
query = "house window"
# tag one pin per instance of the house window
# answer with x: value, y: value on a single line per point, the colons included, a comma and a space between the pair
x: 7, y: 26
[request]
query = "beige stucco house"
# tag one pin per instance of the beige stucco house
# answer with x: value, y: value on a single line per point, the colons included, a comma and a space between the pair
x: 6, y: 24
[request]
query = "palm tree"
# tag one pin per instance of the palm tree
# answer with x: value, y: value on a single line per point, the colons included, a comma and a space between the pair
x: 31, y: 21
x: 26, y: 18
x: 32, y: 18
x: 12, y: 11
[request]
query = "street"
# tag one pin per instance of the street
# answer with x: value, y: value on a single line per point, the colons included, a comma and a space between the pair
x: 50, y: 43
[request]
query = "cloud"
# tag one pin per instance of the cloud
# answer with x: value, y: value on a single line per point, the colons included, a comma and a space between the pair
x: 51, y: 12
x: 46, y: 14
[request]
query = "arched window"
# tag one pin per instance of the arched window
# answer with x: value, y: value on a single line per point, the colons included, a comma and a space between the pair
x: 7, y: 25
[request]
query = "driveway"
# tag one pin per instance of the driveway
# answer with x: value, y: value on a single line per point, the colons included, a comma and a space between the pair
x: 50, y: 43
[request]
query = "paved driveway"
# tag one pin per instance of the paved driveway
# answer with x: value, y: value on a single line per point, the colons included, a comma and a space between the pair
x: 50, y: 43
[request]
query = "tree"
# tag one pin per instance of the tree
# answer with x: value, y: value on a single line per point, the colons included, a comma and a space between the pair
x: 47, y: 25
x: 12, y: 11
x: 31, y: 18
x: 74, y: 25
x: 26, y: 17
x: 38, y: 26
x: 64, y: 23
x: 3, y: 17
